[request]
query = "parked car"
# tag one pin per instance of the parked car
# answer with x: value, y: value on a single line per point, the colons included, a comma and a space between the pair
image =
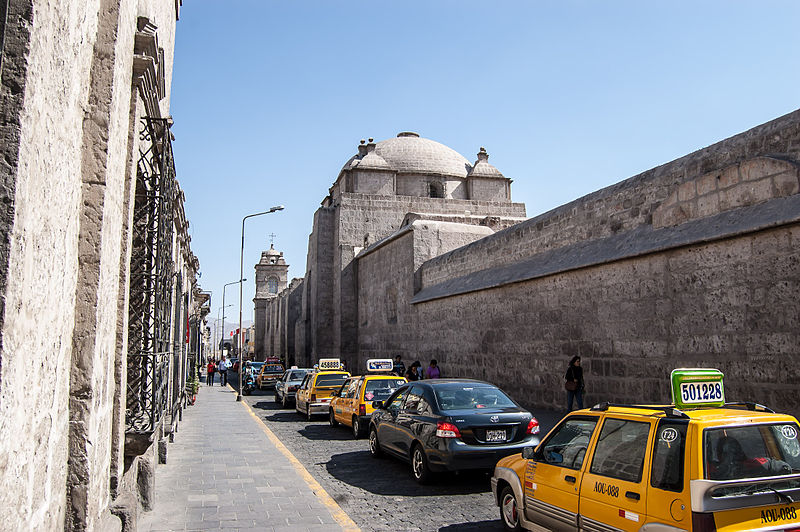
x: 700, y: 466
x: 269, y: 375
x: 286, y: 387
x: 450, y: 425
x: 351, y: 405
x: 314, y: 394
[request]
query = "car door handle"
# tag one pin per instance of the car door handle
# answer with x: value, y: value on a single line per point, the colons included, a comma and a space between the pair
x: 632, y: 495
x: 570, y: 479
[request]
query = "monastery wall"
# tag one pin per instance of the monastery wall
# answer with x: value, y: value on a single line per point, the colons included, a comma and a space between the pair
x: 632, y: 203
x: 693, y: 263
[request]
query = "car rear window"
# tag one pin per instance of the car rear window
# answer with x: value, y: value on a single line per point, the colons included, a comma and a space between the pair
x: 469, y: 397
x: 750, y: 451
x: 381, y: 389
x: 297, y: 375
x: 273, y: 368
x: 333, y: 379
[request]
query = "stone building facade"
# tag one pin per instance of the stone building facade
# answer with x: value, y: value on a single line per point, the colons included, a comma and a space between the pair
x: 693, y: 263
x: 97, y: 276
x: 271, y: 278
x: 380, y: 186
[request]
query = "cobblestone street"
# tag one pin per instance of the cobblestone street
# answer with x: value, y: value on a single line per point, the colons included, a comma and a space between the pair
x: 381, y: 494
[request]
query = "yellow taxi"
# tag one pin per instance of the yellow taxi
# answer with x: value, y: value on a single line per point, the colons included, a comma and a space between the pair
x: 351, y: 405
x: 314, y: 394
x: 699, y: 465
x: 269, y: 375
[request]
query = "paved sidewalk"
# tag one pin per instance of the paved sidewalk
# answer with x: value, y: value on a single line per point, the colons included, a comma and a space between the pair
x: 226, y: 471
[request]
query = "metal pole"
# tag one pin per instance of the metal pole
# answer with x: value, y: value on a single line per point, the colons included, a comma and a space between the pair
x: 241, y: 272
x: 222, y: 331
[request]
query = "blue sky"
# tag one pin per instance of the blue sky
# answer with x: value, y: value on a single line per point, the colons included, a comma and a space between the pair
x: 271, y: 98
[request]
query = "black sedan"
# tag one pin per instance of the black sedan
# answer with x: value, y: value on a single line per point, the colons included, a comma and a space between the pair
x: 450, y: 425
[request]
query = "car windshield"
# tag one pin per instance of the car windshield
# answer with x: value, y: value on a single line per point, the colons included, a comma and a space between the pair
x: 768, y: 450
x: 256, y: 365
x: 471, y: 396
x: 273, y: 368
x: 331, y: 379
x: 381, y: 389
x: 297, y: 375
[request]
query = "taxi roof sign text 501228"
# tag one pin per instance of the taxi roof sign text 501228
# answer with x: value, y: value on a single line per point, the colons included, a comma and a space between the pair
x: 697, y: 387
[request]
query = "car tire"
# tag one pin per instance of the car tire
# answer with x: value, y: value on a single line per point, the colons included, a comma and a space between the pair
x: 357, y: 431
x: 509, y: 510
x: 284, y: 402
x: 374, y: 446
x: 419, y: 465
x: 277, y: 400
x: 332, y: 419
x: 308, y: 413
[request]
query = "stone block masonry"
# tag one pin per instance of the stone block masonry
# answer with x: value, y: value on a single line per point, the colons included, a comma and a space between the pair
x: 71, y: 106
x: 693, y: 263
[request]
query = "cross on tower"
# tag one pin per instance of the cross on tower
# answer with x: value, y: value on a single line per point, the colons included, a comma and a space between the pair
x: 272, y: 238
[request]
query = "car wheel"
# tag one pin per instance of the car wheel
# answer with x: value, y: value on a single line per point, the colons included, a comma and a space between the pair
x: 509, y: 511
x: 374, y: 446
x: 332, y: 419
x: 284, y: 402
x: 356, y: 428
x: 419, y: 465
x: 308, y: 413
x: 277, y: 400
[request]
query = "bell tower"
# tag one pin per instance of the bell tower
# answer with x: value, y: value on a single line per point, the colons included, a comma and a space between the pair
x: 271, y: 278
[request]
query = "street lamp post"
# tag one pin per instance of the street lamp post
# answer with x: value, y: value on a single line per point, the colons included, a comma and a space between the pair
x: 241, y: 272
x: 221, y: 325
x: 222, y: 331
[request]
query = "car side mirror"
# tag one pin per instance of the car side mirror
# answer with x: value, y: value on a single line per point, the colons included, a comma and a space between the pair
x: 377, y: 405
x: 529, y: 453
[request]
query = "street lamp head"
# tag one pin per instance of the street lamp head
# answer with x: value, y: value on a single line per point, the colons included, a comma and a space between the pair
x: 244, y: 280
x: 276, y: 208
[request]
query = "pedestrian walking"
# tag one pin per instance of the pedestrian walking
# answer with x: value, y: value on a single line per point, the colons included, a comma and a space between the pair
x: 433, y: 371
x: 414, y: 372
x: 210, y: 373
x: 223, y: 371
x: 399, y: 368
x: 573, y: 383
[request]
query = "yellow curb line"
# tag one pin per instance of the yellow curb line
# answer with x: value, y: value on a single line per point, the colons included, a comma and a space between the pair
x: 347, y: 524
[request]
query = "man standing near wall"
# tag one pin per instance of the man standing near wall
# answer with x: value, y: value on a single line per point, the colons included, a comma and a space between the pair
x: 223, y: 371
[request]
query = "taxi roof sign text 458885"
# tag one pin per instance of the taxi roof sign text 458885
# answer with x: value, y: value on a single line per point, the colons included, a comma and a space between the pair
x: 694, y: 387
x: 329, y: 364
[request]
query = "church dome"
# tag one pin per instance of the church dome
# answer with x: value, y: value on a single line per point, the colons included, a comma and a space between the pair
x: 408, y: 153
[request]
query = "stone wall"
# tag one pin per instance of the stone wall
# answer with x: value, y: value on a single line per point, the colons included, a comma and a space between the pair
x: 694, y: 263
x: 623, y: 206
x: 68, y: 139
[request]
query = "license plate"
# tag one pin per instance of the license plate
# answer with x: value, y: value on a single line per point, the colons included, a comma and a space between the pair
x: 495, y: 435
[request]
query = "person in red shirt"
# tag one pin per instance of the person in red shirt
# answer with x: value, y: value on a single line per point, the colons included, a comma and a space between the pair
x: 210, y: 373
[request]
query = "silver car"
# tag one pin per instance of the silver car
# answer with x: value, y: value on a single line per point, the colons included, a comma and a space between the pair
x: 286, y: 387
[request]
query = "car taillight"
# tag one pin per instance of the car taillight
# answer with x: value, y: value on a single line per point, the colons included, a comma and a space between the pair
x: 703, y: 522
x: 447, y: 430
x: 533, y: 426
x: 362, y: 409
x: 313, y: 397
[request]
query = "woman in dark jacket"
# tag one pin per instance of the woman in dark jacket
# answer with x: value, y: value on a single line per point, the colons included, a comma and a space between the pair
x: 574, y: 383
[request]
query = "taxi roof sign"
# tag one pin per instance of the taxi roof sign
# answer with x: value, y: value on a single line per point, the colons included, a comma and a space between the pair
x: 380, y: 364
x: 329, y: 364
x: 697, y: 387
